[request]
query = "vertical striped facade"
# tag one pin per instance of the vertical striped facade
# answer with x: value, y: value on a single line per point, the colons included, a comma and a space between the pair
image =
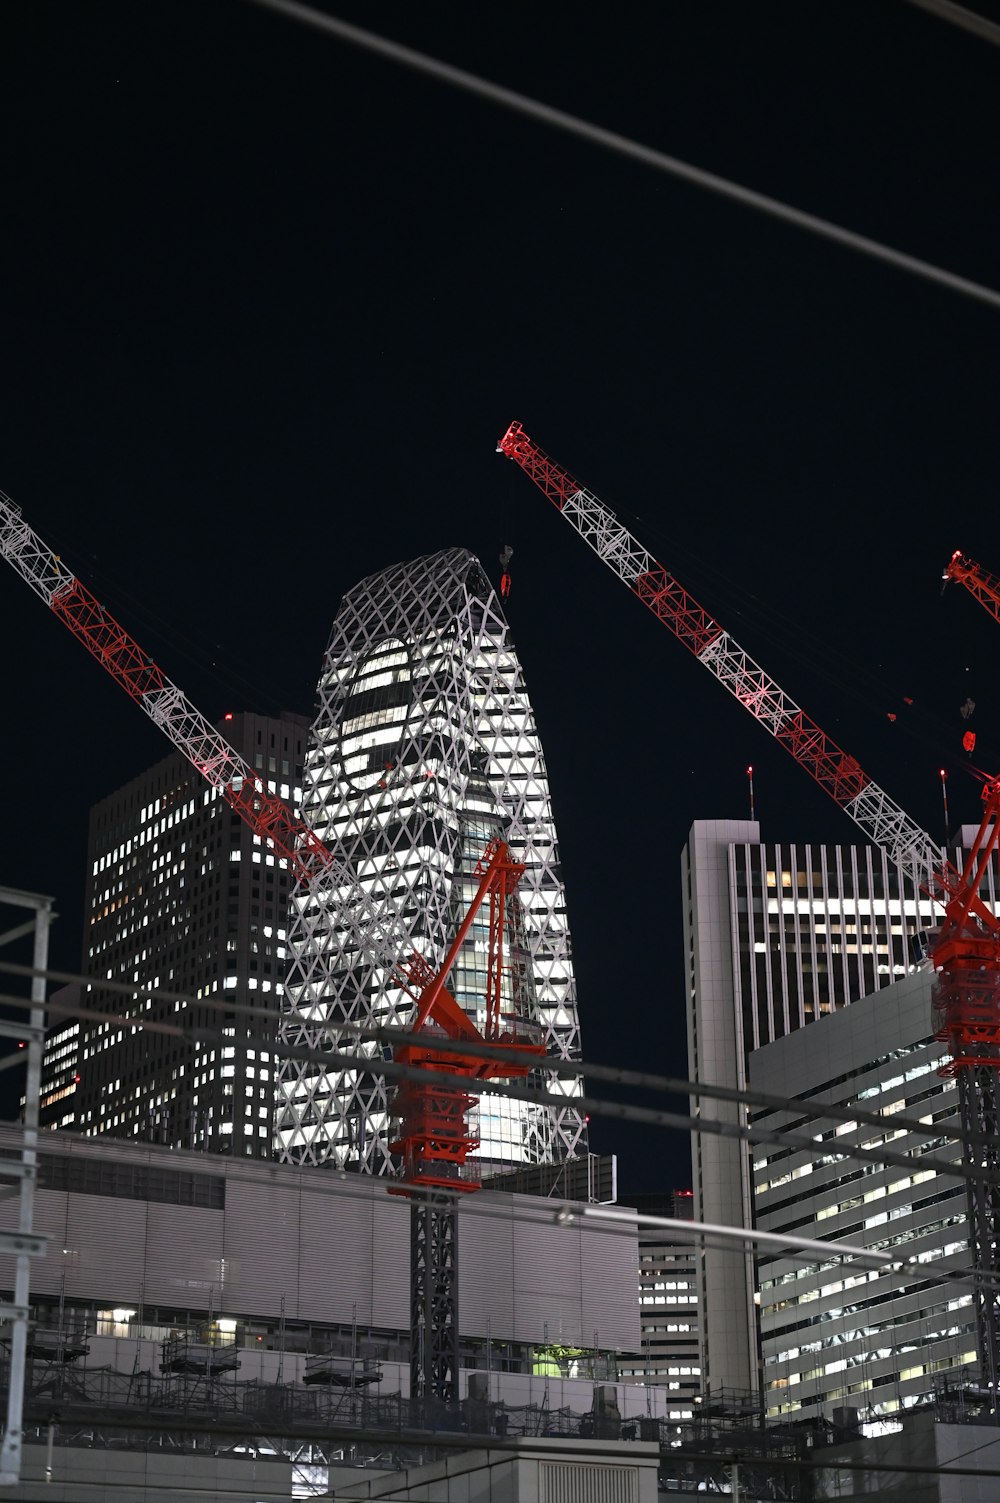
x: 777, y: 936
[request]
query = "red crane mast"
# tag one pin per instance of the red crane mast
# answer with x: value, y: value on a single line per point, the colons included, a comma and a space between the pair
x: 966, y: 950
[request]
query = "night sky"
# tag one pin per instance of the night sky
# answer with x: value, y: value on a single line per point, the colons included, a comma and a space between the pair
x: 270, y: 301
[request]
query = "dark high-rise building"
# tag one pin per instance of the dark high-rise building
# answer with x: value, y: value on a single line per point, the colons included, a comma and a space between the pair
x: 60, y: 1060
x: 182, y: 897
x: 668, y: 1305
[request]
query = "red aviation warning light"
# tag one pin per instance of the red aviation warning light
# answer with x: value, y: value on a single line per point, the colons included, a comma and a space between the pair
x: 980, y: 583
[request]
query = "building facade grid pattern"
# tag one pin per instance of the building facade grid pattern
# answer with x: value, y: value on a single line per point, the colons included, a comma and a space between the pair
x: 424, y: 747
x: 836, y: 1334
x: 777, y: 937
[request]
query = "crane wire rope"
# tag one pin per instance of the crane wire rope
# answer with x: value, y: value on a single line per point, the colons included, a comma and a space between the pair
x: 611, y: 1074
x: 377, y: 1065
x: 648, y: 156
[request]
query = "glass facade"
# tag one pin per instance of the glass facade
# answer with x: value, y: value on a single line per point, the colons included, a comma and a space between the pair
x: 835, y: 1333
x: 423, y: 749
x: 182, y: 898
x: 778, y: 936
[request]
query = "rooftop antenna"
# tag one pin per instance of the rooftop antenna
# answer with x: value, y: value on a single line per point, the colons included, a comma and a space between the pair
x: 753, y: 804
x: 944, y: 800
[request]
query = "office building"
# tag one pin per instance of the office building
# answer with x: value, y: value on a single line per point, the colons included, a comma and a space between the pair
x: 60, y: 1060
x: 777, y: 937
x: 668, y: 1306
x: 423, y: 750
x: 841, y: 1341
x: 181, y: 897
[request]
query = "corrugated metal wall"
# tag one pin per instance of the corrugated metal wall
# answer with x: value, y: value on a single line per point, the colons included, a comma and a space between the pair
x: 580, y: 1482
x: 261, y: 1248
x: 325, y: 1245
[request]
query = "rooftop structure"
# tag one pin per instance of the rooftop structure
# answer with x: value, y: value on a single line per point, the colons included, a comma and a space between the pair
x: 160, y: 1277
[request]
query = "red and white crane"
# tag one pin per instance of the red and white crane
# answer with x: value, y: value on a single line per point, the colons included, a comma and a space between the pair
x: 871, y: 808
x: 434, y: 1141
x: 980, y: 583
x: 966, y: 950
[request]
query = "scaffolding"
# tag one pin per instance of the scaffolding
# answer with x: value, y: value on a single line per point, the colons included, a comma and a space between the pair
x: 19, y: 1173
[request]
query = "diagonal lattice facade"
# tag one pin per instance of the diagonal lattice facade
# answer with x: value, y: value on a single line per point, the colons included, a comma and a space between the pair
x: 424, y: 747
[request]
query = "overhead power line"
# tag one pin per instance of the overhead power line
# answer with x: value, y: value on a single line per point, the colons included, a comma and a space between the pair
x: 967, y: 20
x: 642, y: 1080
x: 392, y: 1070
x: 648, y: 156
x: 891, y: 1264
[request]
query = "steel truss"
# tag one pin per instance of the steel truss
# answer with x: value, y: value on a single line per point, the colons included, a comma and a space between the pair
x: 871, y: 808
x: 966, y: 951
x: 471, y: 729
x: 424, y: 748
x: 434, y: 1329
x: 18, y: 1175
x: 980, y: 583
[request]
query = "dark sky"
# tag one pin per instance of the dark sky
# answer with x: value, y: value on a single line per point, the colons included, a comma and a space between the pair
x: 269, y: 302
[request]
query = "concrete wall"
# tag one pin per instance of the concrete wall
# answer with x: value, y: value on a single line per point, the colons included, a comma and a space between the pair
x: 94, y: 1476
x: 594, y: 1472
x: 716, y: 1056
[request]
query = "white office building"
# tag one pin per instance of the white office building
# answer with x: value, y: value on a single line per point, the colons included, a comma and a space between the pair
x: 777, y: 939
x: 838, y: 1337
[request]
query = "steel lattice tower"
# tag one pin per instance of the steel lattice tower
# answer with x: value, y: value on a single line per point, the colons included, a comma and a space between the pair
x: 424, y: 747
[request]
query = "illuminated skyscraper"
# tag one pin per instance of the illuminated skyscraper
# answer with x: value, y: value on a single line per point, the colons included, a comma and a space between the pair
x: 181, y: 896
x: 423, y: 749
x: 777, y: 939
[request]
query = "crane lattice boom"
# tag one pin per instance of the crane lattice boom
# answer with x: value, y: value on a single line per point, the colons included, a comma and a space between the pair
x: 377, y: 933
x: 879, y: 816
x: 980, y: 583
x: 434, y: 1138
x: 966, y: 951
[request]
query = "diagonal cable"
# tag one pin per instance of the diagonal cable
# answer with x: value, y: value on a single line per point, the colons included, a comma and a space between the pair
x: 647, y: 156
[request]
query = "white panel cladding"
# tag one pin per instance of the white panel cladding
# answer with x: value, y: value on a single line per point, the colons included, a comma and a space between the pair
x: 49, y: 1220
x: 184, y: 1257
x: 262, y: 1228
x: 546, y: 1268
x: 609, y: 1265
x: 391, y: 1261
x: 486, y: 1266
x: 530, y: 1275
x: 343, y: 1237
x: 105, y: 1248
x: 335, y: 1257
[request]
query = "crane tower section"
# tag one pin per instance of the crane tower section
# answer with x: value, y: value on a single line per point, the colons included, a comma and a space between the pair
x: 871, y: 808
